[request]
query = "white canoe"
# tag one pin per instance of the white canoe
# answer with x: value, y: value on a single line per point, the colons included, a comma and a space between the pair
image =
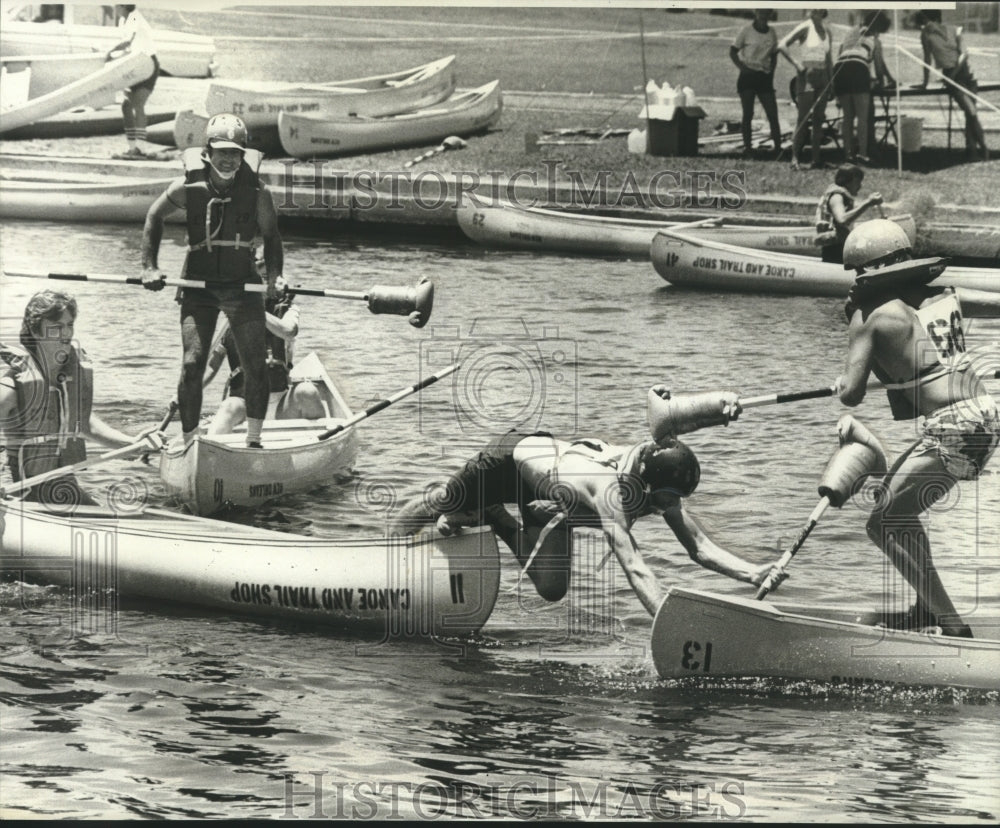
x: 688, y: 261
x: 503, y: 224
x: 303, y: 136
x: 259, y: 102
x: 189, y: 131
x: 97, y: 88
x: 211, y: 473
x: 703, y: 635
x: 86, y: 121
x: 422, y: 587
x: 180, y: 54
x: 47, y: 73
x: 108, y: 199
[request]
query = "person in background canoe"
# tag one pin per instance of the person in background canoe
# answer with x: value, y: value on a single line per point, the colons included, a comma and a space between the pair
x: 46, y: 397
x: 943, y: 44
x: 837, y: 211
x: 585, y: 483
x: 298, y: 399
x: 910, y: 335
x: 137, y: 36
x: 860, y: 53
x: 813, y: 80
x: 227, y: 207
x: 755, y: 53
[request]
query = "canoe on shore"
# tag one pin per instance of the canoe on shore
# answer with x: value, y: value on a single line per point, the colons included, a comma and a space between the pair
x: 422, y: 587
x: 42, y: 74
x: 305, y: 136
x: 188, y: 130
x: 699, y: 262
x: 503, y: 224
x: 99, y: 87
x: 703, y: 635
x: 87, y: 121
x: 259, y: 102
x: 211, y: 473
x: 110, y: 199
x: 180, y: 54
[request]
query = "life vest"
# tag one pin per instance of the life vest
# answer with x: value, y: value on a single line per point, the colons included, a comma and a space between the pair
x: 942, y: 322
x: 827, y: 230
x: 45, y: 432
x: 221, y: 230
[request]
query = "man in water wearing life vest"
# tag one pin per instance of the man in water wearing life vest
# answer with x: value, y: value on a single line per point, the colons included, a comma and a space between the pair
x: 558, y: 485
x: 227, y: 207
x: 836, y: 211
x: 46, y: 394
x: 909, y: 334
x: 289, y: 398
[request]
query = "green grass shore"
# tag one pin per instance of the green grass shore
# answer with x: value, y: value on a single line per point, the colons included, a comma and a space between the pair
x: 585, y: 69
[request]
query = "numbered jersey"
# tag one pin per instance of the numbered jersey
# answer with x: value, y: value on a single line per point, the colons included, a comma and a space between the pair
x: 941, y: 321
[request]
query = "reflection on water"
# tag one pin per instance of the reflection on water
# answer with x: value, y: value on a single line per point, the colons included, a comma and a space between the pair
x: 553, y: 710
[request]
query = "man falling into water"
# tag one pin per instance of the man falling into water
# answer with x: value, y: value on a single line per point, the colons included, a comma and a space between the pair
x: 909, y: 334
x: 227, y: 207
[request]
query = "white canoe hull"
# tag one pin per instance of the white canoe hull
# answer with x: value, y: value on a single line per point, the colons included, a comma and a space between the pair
x: 393, y: 587
x: 189, y: 131
x: 212, y: 473
x: 688, y: 261
x: 47, y: 73
x: 464, y: 114
x: 96, y: 89
x: 51, y: 199
x: 703, y: 635
x: 180, y: 54
x: 259, y: 102
x: 505, y: 225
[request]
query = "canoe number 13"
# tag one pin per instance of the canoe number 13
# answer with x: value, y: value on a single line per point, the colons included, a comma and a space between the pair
x: 696, y: 656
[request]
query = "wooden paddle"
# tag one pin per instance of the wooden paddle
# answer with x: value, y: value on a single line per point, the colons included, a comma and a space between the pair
x: 144, y: 442
x: 381, y: 404
x: 415, y: 302
x: 860, y: 454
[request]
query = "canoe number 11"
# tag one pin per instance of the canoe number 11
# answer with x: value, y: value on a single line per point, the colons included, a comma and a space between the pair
x: 697, y: 657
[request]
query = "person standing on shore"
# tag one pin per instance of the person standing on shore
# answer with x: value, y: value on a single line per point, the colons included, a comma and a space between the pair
x: 943, y: 44
x: 755, y: 53
x: 227, y: 207
x: 860, y: 52
x: 137, y: 37
x: 910, y: 335
x: 813, y: 80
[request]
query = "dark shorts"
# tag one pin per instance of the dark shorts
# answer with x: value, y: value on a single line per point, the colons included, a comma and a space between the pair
x: 150, y: 82
x: 851, y: 78
x: 238, y: 304
x: 962, y: 75
x: 760, y: 83
x: 277, y: 380
x: 489, y: 478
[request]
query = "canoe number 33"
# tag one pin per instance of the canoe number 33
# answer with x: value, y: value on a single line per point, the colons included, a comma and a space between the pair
x: 696, y: 656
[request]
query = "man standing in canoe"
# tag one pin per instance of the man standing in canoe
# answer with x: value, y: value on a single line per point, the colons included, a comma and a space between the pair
x: 558, y: 485
x: 909, y: 334
x: 227, y: 207
x: 46, y: 396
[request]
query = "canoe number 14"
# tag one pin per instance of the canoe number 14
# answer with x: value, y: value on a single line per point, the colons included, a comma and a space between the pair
x: 696, y: 656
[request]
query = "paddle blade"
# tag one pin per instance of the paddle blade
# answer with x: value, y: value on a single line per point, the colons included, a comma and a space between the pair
x: 670, y: 414
x: 860, y: 455
x: 415, y: 303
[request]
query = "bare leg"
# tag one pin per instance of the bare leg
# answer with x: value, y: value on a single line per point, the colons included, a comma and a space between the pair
x: 301, y: 401
x: 914, y: 484
x: 231, y: 413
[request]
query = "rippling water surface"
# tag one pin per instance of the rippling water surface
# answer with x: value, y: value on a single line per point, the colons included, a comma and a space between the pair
x: 183, y: 714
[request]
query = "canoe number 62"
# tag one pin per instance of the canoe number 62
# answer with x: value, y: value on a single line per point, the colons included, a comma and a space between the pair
x: 697, y: 656
x: 478, y: 219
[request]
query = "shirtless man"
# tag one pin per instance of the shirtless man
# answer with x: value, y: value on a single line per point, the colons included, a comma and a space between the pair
x: 909, y: 334
x: 559, y: 485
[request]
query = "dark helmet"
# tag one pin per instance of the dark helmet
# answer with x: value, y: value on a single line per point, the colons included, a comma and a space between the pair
x: 669, y: 465
x: 226, y: 131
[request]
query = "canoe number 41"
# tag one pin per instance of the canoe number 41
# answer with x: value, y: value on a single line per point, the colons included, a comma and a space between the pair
x: 696, y: 656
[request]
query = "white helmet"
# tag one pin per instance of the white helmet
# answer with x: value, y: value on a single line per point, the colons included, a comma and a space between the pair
x: 875, y: 243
